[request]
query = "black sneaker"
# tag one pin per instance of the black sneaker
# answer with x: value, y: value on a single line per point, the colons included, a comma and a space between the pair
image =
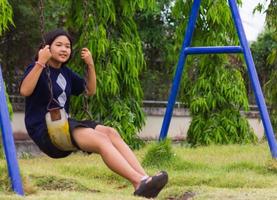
x: 152, y: 186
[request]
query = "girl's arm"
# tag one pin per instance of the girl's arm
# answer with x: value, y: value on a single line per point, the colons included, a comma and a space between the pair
x: 30, y: 81
x: 91, y: 75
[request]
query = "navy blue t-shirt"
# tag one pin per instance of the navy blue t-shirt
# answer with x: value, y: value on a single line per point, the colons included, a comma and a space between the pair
x: 65, y: 83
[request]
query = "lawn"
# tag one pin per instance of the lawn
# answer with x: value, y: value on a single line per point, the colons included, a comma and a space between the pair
x: 214, y: 172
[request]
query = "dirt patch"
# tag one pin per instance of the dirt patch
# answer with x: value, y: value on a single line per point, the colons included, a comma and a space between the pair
x: 272, y: 165
x: 61, y: 184
x: 189, y: 195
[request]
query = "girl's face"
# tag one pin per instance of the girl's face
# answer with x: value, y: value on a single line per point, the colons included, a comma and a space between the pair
x: 60, y: 49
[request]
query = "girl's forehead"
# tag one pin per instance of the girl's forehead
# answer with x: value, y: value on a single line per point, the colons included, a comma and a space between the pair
x: 62, y: 39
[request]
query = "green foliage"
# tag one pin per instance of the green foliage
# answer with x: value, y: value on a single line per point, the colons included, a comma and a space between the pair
x: 264, y: 53
x: 10, y: 108
x: 1, y: 147
x: 5, y: 15
x: 4, y: 178
x: 271, y: 90
x: 25, y: 34
x: 271, y: 12
x: 110, y: 32
x: 155, y: 84
x: 159, y: 154
x: 5, y: 20
x: 271, y: 94
x: 225, y: 127
x: 212, y: 88
x: 156, y: 28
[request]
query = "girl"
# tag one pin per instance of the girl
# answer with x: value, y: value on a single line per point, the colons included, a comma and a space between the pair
x: 88, y: 136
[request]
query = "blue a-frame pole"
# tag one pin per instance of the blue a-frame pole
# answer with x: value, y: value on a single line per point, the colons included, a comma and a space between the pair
x: 244, y: 48
x: 9, y: 146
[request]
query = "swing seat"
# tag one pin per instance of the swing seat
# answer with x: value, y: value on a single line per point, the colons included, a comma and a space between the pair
x: 58, y: 129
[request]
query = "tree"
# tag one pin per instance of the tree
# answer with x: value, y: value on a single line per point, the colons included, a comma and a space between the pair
x: 156, y: 28
x: 5, y: 15
x: 26, y: 34
x: 213, y: 89
x: 271, y: 91
x: 262, y: 50
x: 267, y: 46
x: 108, y: 28
x: 112, y: 36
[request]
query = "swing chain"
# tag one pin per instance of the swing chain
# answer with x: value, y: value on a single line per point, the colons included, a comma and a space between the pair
x: 42, y: 31
x: 42, y: 25
x: 85, y: 32
x: 42, y: 20
x: 86, y: 17
x: 52, y: 99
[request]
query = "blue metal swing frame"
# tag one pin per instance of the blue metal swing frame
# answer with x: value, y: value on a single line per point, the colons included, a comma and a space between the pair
x: 243, y: 48
x: 9, y: 146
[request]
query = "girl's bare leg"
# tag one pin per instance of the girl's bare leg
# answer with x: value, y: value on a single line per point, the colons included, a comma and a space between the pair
x: 92, y: 141
x: 122, y: 147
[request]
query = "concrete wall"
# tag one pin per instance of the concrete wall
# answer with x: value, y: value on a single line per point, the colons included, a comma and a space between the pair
x: 178, y: 127
x: 180, y: 123
x: 18, y: 124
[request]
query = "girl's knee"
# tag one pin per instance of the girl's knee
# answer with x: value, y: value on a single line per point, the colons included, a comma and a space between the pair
x: 112, y: 132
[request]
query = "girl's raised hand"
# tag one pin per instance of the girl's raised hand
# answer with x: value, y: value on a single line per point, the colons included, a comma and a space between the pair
x: 44, y: 54
x: 86, y: 56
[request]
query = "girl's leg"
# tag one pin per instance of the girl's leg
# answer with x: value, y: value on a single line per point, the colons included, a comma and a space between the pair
x: 92, y: 141
x: 122, y: 147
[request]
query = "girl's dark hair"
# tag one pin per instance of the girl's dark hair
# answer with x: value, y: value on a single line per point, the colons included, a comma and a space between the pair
x: 51, y: 36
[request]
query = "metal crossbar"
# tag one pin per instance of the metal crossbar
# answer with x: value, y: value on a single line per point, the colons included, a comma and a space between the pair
x: 213, y: 50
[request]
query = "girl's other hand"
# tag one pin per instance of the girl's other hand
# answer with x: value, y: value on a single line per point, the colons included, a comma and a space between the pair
x: 44, y: 55
x: 86, y: 56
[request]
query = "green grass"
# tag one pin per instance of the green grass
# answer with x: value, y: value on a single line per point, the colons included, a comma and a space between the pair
x: 214, y: 172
